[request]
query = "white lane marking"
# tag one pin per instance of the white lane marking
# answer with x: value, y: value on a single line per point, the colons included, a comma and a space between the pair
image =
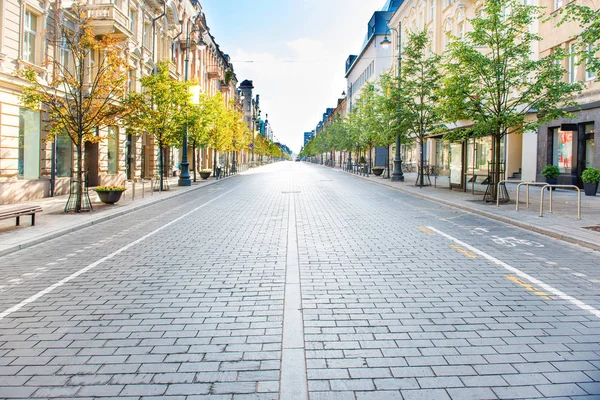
x: 522, y: 274
x: 74, y: 275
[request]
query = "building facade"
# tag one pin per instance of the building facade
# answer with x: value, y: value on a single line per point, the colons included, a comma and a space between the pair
x: 465, y: 162
x: 569, y: 143
x: 151, y: 31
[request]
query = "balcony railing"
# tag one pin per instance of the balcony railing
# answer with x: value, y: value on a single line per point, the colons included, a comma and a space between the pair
x: 108, y: 18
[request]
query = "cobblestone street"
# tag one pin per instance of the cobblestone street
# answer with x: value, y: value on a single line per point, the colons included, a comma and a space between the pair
x: 295, y: 281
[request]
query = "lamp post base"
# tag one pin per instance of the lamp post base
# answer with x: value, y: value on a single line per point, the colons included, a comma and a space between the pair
x: 184, y: 177
x: 397, y: 175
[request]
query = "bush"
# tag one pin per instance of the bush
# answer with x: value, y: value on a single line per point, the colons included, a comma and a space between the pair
x: 206, y: 171
x: 362, y: 160
x: 550, y: 171
x: 591, y: 175
x: 378, y: 168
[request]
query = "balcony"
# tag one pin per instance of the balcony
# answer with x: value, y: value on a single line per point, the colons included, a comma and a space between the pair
x: 214, y: 72
x: 108, y: 18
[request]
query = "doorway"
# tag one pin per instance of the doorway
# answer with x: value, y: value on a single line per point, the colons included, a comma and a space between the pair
x: 91, y: 163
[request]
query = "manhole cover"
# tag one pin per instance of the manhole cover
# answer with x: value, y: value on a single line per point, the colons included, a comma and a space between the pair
x: 593, y: 228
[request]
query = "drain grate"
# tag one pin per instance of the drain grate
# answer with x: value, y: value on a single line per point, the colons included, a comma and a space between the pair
x: 593, y: 228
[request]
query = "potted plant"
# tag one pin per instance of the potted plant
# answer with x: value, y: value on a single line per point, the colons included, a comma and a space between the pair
x: 205, y: 173
x: 377, y: 171
x: 110, y: 194
x: 590, y: 178
x: 551, y: 173
x: 362, y: 160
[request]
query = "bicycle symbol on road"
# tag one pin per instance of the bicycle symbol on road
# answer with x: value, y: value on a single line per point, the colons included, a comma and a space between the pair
x: 509, y: 241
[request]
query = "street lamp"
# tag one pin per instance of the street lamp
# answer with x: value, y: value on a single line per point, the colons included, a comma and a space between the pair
x: 184, y: 176
x: 397, y: 175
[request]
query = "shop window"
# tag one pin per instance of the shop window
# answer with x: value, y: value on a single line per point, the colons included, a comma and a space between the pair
x: 64, y: 155
x: 588, y: 131
x: 113, y: 150
x: 28, y: 165
x: 562, y: 150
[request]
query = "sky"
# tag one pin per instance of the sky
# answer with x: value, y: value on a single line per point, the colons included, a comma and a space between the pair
x: 294, y: 51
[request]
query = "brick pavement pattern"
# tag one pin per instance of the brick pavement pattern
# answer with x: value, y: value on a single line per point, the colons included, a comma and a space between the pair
x: 390, y: 309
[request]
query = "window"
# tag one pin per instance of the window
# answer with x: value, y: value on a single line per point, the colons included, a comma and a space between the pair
x: 589, y: 75
x: 461, y: 30
x: 572, y: 62
x: 588, y: 132
x: 562, y: 150
x: 64, y: 155
x: 28, y: 165
x: 30, y: 37
x: 132, y: 20
x: 64, y: 55
x: 113, y: 149
x: 431, y: 9
x: 558, y: 4
x: 147, y: 35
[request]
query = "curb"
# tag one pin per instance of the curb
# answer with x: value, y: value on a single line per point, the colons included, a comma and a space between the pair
x: 533, y: 228
x: 105, y: 218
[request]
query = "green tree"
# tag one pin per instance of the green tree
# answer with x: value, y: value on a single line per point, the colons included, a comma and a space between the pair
x: 160, y: 110
x: 80, y: 96
x: 587, y: 43
x: 418, y: 91
x: 494, y: 80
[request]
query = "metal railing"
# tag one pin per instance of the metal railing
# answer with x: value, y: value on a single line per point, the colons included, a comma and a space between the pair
x: 504, y: 182
x: 527, y: 184
x: 550, y: 187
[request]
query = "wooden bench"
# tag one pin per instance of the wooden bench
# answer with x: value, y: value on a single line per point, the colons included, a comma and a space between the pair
x: 19, y: 212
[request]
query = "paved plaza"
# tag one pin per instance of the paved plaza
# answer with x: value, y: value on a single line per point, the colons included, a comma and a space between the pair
x: 294, y: 281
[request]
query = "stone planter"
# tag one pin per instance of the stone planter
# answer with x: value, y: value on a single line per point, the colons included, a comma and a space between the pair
x: 204, y: 175
x: 590, y: 189
x: 377, y: 171
x: 110, y: 197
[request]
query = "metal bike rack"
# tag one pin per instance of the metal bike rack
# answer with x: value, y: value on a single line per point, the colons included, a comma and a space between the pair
x: 560, y: 186
x: 527, y: 184
x: 505, y: 181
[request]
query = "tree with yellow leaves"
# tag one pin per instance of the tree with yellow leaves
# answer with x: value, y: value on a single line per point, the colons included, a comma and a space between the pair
x: 83, y: 94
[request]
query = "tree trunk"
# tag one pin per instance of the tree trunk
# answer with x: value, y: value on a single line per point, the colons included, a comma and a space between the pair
x: 387, y: 161
x: 422, y: 158
x: 79, y: 190
x: 215, y: 162
x: 160, y: 164
x: 495, y: 178
x: 194, y: 158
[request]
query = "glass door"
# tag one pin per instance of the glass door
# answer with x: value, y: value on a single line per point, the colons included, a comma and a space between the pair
x: 456, y: 156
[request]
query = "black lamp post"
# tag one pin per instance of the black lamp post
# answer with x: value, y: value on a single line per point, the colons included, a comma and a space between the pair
x: 397, y: 175
x: 184, y: 176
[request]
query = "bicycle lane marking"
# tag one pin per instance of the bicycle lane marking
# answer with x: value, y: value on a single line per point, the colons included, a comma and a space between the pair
x: 520, y: 273
x: 91, y: 266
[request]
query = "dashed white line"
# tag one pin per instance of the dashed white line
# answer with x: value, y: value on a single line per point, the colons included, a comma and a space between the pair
x: 522, y: 274
x: 83, y: 270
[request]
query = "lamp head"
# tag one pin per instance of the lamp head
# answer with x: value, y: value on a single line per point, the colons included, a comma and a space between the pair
x: 385, y: 43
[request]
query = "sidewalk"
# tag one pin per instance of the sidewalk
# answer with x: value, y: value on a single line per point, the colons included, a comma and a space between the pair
x: 561, y: 224
x: 53, y: 222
